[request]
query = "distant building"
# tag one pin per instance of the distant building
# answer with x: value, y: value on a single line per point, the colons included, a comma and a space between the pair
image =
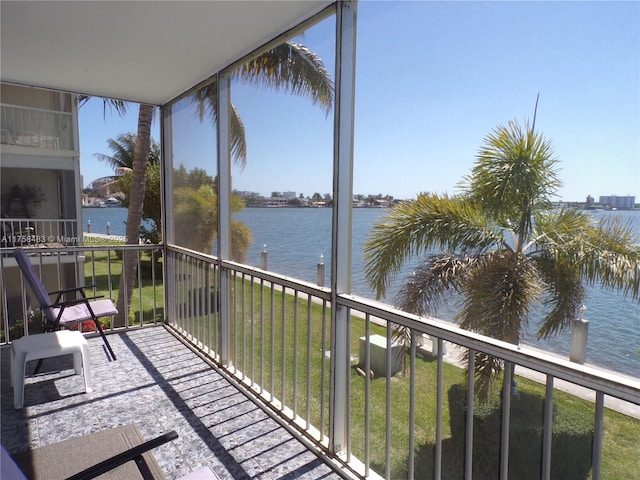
x: 246, y: 193
x: 274, y: 202
x: 105, y: 185
x: 614, y: 201
x: 590, y: 201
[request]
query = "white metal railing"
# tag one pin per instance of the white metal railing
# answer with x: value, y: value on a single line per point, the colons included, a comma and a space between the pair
x: 276, y: 332
x: 38, y: 232
x: 63, y: 267
x: 35, y: 127
x: 280, y: 347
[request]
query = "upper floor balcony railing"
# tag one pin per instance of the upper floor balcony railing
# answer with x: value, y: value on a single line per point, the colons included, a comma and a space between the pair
x: 37, y: 128
x: 382, y: 405
x: 38, y: 232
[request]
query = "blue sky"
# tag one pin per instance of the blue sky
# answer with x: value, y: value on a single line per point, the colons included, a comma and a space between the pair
x: 433, y: 79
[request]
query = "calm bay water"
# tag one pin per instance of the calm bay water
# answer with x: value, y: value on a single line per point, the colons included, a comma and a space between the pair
x: 296, y: 237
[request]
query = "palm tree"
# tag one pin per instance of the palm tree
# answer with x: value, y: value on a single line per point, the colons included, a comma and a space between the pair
x: 123, y: 148
x: 196, y: 216
x: 501, y: 247
x: 121, y: 159
x: 134, y: 213
x: 197, y: 222
x: 152, y: 200
x: 290, y: 67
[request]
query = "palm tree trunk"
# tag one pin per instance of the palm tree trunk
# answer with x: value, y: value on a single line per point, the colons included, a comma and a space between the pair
x: 134, y: 215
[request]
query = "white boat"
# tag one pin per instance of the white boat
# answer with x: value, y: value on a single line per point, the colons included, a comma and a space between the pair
x: 96, y: 204
x: 112, y: 202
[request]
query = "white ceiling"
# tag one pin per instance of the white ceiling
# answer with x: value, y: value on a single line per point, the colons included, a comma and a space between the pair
x: 143, y: 51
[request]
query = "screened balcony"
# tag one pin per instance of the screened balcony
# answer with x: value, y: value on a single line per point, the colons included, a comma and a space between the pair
x: 272, y: 362
x: 209, y: 343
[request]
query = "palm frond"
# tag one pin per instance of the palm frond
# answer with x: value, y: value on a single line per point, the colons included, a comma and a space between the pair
x: 123, y: 148
x: 414, y: 227
x: 119, y: 106
x: 554, y: 234
x: 565, y: 292
x: 557, y: 227
x: 432, y: 282
x: 206, y: 102
x: 290, y: 67
x: 487, y: 369
x: 293, y: 68
x: 498, y: 294
x: 514, y: 176
x: 609, y: 253
x: 238, y: 138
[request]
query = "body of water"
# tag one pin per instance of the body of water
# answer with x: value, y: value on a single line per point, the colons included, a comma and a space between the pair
x: 101, y: 218
x: 295, y: 238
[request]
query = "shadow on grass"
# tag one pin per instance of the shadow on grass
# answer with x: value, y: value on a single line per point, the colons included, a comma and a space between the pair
x: 571, y: 442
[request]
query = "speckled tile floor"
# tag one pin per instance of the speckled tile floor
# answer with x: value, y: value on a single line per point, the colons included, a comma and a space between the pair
x: 160, y: 385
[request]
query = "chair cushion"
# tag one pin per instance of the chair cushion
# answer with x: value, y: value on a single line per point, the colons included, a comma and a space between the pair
x: 80, y: 312
x: 68, y: 457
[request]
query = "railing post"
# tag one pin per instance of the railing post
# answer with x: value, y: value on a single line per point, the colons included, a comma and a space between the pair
x: 598, y: 433
x: 108, y: 228
x: 88, y: 226
x: 320, y: 272
x: 579, y: 333
x: 264, y: 258
x: 507, y: 386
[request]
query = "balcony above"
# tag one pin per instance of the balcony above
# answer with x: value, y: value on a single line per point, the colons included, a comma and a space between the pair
x: 36, y: 128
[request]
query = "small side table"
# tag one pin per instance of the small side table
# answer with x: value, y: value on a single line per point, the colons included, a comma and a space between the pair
x: 46, y: 345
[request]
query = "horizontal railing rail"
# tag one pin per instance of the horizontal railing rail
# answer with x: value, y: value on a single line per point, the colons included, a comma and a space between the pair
x: 608, y: 382
x: 99, y: 266
x: 34, y: 127
x: 279, y: 343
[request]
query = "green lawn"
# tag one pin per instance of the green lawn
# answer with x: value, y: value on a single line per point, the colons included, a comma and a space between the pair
x: 103, y: 269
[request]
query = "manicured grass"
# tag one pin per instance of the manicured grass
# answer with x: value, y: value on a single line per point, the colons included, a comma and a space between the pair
x: 103, y: 269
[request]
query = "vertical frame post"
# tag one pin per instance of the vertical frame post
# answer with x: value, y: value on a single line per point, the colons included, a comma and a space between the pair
x: 166, y: 210
x: 224, y: 211
x: 341, y: 234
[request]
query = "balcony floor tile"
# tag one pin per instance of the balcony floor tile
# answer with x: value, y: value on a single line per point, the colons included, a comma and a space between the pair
x: 160, y: 385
